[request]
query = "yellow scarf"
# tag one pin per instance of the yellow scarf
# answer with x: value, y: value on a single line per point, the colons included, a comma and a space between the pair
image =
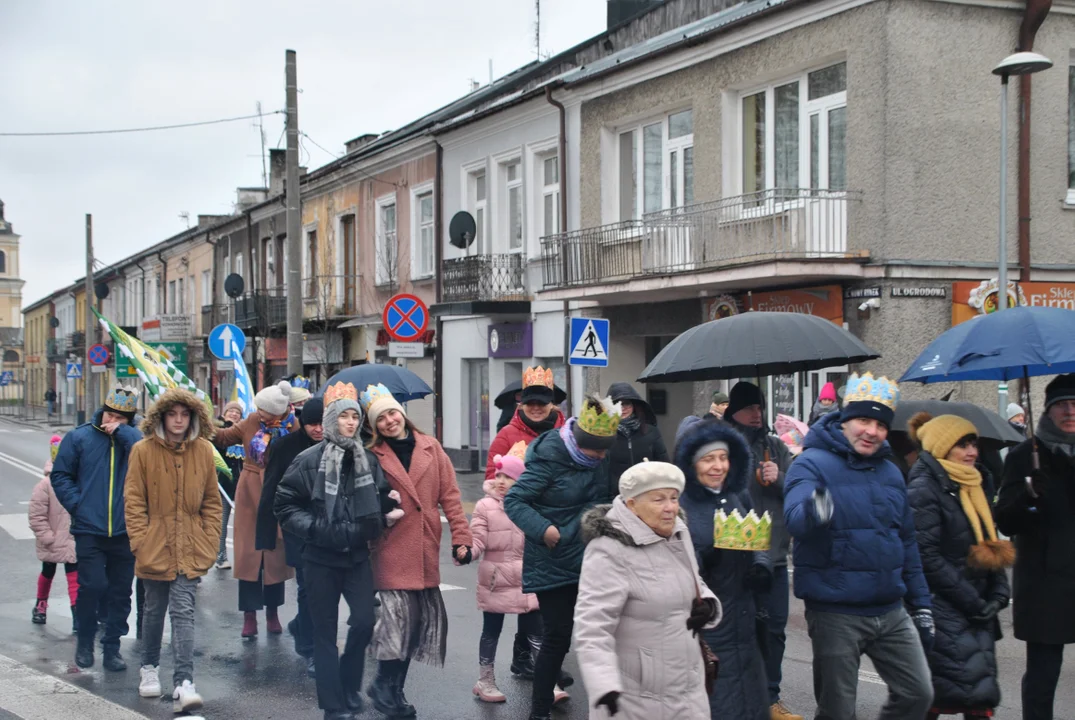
x: 991, y: 554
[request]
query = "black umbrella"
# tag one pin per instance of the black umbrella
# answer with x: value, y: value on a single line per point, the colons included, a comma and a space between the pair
x: 755, y: 344
x: 506, y: 398
x: 990, y: 425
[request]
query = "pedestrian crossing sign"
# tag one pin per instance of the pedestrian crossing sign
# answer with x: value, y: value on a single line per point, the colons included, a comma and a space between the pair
x: 589, y: 342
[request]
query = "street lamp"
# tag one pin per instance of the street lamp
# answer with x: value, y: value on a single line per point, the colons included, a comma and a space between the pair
x: 1020, y: 63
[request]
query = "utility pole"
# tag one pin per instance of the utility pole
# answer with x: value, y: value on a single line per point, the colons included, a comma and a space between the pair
x: 89, y: 380
x: 294, y: 223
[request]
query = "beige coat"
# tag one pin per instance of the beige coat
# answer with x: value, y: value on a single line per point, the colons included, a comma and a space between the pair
x: 631, y: 636
x: 171, y: 502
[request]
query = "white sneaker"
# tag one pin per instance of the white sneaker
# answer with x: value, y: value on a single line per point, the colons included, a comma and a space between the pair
x: 186, y: 698
x: 559, y: 695
x: 150, y: 684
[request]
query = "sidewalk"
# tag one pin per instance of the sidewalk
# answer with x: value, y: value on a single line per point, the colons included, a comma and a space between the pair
x: 39, y: 422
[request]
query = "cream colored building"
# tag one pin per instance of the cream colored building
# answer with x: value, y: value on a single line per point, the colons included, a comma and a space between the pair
x: 10, y: 282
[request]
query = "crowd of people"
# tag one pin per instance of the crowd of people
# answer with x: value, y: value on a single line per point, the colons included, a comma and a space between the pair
x: 593, y: 531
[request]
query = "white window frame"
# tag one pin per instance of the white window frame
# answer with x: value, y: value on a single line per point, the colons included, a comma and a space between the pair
x: 207, y: 288
x: 668, y: 147
x: 479, y: 209
x: 535, y: 156
x: 172, y: 296
x: 239, y: 264
x: 502, y: 209
x: 269, y: 258
x: 227, y: 264
x: 419, y: 193
x: 309, y: 273
x: 381, y: 271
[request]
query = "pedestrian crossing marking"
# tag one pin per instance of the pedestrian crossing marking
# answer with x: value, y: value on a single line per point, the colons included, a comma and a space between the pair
x: 17, y: 526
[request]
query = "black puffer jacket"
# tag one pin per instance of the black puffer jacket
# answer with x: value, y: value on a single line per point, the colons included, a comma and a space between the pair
x: 343, y: 542
x: 645, y: 443
x: 281, y: 454
x: 963, y: 660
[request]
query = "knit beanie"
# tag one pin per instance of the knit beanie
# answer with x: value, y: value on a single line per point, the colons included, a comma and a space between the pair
x: 1013, y: 410
x: 646, y: 476
x: 939, y: 435
x: 513, y: 463
x: 275, y: 399
x: 743, y: 395
x: 233, y: 405
x: 1061, y: 388
x: 828, y: 392
x: 312, y: 412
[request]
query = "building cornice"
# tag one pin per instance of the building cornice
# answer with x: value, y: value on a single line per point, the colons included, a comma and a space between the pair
x: 392, y: 157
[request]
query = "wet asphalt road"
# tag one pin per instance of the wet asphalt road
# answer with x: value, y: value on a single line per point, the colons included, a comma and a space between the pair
x: 263, y: 678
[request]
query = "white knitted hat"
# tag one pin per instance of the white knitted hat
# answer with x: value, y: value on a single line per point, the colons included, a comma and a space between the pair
x: 275, y: 399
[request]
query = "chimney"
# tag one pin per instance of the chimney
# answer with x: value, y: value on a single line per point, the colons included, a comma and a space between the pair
x: 277, y: 171
x: 359, y: 142
x: 205, y: 221
x: 248, y: 197
x: 620, y: 11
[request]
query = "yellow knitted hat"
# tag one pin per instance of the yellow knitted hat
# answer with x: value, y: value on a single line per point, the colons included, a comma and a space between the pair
x: 939, y: 435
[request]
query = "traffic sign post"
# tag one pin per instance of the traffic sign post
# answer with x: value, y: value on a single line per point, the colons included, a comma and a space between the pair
x: 405, y: 318
x: 588, y: 342
x: 98, y: 355
x: 227, y: 342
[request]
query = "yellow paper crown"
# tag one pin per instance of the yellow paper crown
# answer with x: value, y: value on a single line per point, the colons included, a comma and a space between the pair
x: 867, y: 388
x: 600, y: 417
x: 340, y: 391
x: 373, y: 393
x: 518, y: 450
x: 735, y: 532
x: 537, y: 376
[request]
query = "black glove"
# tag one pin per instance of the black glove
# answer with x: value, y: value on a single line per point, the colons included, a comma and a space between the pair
x: 923, y: 622
x: 703, y: 611
x: 611, y: 701
x: 759, y: 579
x: 466, y: 558
x: 989, y: 612
x: 366, y: 530
x: 710, y: 558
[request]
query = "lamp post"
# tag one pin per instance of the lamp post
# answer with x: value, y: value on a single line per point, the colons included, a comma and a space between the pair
x: 1020, y: 63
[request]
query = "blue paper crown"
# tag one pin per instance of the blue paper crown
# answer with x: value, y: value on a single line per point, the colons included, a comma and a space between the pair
x: 867, y: 388
x: 122, y: 399
x: 300, y: 382
x: 373, y: 393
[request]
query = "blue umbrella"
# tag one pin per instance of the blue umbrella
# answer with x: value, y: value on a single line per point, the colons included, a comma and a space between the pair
x: 1015, y: 343
x: 401, y: 382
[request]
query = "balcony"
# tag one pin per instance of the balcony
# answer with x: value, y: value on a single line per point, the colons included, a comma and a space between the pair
x: 261, y: 310
x: 213, y: 315
x: 56, y: 349
x: 781, y: 225
x: 483, y: 284
x: 76, y: 342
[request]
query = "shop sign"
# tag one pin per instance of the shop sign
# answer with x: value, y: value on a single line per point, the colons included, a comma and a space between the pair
x: 825, y: 302
x: 919, y: 292
x: 970, y: 299
x: 862, y: 293
x: 721, y: 307
x: 174, y: 351
x: 511, y: 340
x: 166, y: 328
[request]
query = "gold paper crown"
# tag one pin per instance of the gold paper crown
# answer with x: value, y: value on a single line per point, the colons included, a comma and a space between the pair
x: 518, y: 450
x: 735, y: 532
x: 340, y: 391
x: 600, y: 417
x: 373, y: 393
x: 122, y: 399
x: 537, y: 376
x: 867, y: 388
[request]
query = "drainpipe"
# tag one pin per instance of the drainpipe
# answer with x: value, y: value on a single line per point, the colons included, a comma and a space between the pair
x: 163, y: 289
x: 438, y: 291
x: 1034, y: 15
x: 562, y: 151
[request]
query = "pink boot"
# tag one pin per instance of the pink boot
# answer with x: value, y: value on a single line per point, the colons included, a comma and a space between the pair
x: 250, y: 624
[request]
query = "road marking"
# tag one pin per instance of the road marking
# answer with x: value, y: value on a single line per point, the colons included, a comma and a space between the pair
x: 24, y: 502
x: 22, y: 465
x: 33, y: 695
x: 17, y: 526
x: 444, y: 587
x: 62, y: 609
x: 870, y: 677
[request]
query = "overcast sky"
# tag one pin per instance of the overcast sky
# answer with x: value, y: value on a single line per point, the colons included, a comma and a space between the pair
x: 363, y: 66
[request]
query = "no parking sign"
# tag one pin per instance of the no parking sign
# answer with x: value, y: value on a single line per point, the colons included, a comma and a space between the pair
x: 405, y: 318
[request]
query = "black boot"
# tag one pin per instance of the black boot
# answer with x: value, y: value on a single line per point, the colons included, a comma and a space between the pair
x: 522, y: 659
x: 74, y: 621
x: 355, y: 702
x: 113, y: 660
x: 84, y: 654
x: 406, y: 710
x: 382, y: 692
x: 310, y: 671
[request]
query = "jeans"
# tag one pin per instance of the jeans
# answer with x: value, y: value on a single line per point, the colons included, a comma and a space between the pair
x: 776, y: 603
x: 492, y: 625
x: 1043, y: 663
x: 304, y: 643
x: 176, y: 598
x: 105, y: 575
x: 558, y: 615
x: 338, y: 675
x: 223, y: 552
x: 890, y: 641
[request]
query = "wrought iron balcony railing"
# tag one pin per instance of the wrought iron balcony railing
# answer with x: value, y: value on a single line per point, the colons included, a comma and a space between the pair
x: 484, y: 278
x: 261, y: 310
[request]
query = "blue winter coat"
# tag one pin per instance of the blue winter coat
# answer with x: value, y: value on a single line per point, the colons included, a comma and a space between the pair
x: 865, y: 561
x: 741, y: 691
x: 89, y: 474
x: 553, y: 490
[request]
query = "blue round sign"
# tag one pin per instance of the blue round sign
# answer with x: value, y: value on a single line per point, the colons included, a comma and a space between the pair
x: 227, y: 342
x: 98, y: 355
x: 405, y: 317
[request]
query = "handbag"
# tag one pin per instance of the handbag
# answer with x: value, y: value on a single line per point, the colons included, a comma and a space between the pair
x: 709, y: 658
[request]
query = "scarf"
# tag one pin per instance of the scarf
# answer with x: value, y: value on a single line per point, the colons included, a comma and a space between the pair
x: 577, y: 456
x: 403, y: 448
x: 1054, y: 438
x: 327, y: 488
x: 630, y: 425
x: 820, y: 410
x: 991, y: 554
x: 540, y: 426
x: 259, y: 444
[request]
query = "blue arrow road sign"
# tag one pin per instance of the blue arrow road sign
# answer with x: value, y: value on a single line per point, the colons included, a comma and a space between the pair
x: 589, y: 342
x: 222, y: 339
x: 6, y: 377
x: 74, y: 370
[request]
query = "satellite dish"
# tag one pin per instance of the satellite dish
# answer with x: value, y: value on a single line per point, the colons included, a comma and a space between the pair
x: 462, y: 230
x: 233, y: 285
x: 101, y: 290
x: 54, y: 322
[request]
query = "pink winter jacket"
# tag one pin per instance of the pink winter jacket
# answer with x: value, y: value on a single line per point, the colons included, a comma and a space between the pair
x: 51, y: 524
x: 499, y: 544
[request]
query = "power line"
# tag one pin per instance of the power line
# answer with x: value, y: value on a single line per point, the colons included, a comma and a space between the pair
x: 137, y: 129
x: 317, y: 144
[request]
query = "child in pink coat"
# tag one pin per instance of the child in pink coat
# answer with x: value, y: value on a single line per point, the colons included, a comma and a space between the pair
x: 499, y: 544
x: 52, y: 528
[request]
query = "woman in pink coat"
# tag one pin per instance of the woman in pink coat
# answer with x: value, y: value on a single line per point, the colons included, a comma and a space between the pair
x: 52, y: 528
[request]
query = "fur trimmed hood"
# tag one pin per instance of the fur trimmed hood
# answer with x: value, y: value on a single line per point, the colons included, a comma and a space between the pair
x: 708, y: 431
x: 201, y: 421
x: 607, y: 520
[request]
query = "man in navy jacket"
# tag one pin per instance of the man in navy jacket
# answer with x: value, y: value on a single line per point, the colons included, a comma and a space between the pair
x: 88, y: 477
x: 857, y: 566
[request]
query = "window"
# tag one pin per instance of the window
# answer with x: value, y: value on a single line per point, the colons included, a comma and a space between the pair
x: 1071, y: 135
x: 207, y: 287
x: 794, y: 135
x: 269, y: 279
x: 387, y: 249
x: 513, y: 191
x: 171, y: 295
x: 310, y: 264
x: 3, y: 261
x: 550, y: 196
x: 227, y: 265
x: 477, y: 193
x: 664, y: 150
x: 422, y: 235
x: 239, y: 264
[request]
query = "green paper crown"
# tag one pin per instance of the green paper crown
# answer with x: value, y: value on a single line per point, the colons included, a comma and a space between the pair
x: 600, y: 417
x: 735, y: 532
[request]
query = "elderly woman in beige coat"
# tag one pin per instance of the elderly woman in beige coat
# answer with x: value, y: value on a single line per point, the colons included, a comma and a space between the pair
x: 641, y: 603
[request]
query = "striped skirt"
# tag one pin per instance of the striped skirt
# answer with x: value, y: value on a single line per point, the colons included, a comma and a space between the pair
x: 413, y: 625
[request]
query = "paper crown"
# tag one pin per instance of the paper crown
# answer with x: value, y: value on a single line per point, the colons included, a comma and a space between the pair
x: 537, y: 376
x: 54, y: 446
x: 600, y: 417
x: 340, y: 391
x: 122, y: 399
x: 372, y: 394
x: 735, y: 532
x: 518, y: 450
x: 300, y: 382
x: 867, y: 388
